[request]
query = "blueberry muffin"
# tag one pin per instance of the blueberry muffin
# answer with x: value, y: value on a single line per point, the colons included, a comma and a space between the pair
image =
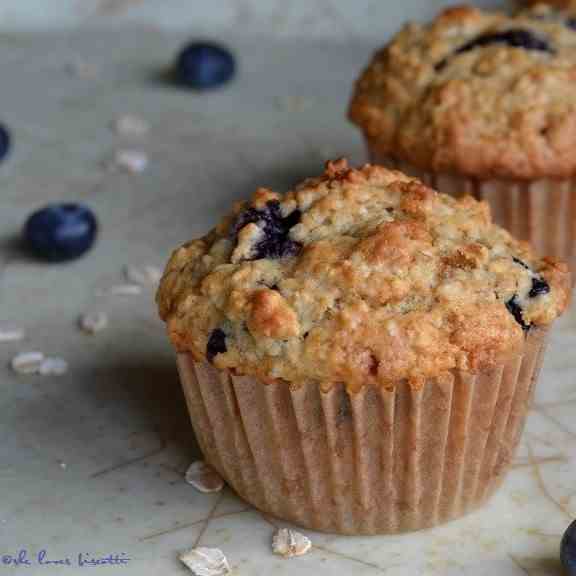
x: 483, y: 103
x: 358, y: 355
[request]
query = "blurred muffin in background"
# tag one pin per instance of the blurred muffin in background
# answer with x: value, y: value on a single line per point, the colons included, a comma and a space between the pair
x: 482, y: 103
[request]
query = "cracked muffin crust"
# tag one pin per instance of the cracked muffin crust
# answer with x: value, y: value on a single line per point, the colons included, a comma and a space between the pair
x: 361, y: 276
x: 478, y: 93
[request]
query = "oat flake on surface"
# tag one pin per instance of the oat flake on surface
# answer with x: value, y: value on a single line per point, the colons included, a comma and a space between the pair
x: 133, y: 161
x: 93, y: 323
x: 204, y: 478
x: 289, y: 543
x: 146, y: 275
x: 206, y: 561
x: 11, y: 334
x: 131, y: 125
x: 27, y: 362
x: 53, y: 367
x: 125, y: 290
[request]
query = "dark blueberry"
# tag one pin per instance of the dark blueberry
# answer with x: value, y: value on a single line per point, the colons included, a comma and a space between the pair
x: 517, y: 38
x: 292, y: 219
x: 276, y: 242
x: 205, y: 65
x: 216, y: 344
x: 60, y: 232
x: 568, y: 550
x: 516, y: 311
x: 5, y: 142
x: 539, y: 287
x: 571, y: 23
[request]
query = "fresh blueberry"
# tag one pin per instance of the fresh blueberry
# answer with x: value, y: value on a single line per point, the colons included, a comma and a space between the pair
x: 571, y: 23
x: 276, y: 242
x: 516, y: 38
x: 205, y: 65
x: 5, y: 142
x: 568, y: 550
x: 216, y: 344
x: 516, y: 311
x: 60, y: 232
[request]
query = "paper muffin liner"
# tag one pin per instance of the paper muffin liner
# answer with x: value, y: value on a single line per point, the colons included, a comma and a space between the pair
x: 374, y: 461
x: 542, y: 212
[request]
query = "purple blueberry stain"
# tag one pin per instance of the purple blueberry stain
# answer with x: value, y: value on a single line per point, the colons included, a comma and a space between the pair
x: 276, y: 242
x: 521, y: 263
x: 539, y: 287
x: 216, y: 344
x: 516, y: 310
x: 515, y: 38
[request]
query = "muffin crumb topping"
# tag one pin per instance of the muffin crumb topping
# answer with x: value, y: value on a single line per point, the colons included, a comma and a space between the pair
x: 391, y: 280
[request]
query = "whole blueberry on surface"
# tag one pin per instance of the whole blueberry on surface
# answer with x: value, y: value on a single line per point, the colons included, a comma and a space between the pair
x: 60, y: 232
x: 568, y: 550
x: 205, y: 65
x: 5, y: 142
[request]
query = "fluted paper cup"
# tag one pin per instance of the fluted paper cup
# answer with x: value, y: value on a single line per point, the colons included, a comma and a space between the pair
x: 375, y: 461
x: 542, y: 212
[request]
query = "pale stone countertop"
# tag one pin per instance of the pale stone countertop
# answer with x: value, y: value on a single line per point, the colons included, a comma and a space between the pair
x: 93, y: 461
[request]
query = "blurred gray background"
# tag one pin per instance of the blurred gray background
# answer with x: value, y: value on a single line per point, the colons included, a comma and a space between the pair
x: 262, y: 17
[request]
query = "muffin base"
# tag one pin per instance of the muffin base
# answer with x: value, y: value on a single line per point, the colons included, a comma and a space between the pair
x: 372, y: 462
x: 542, y: 212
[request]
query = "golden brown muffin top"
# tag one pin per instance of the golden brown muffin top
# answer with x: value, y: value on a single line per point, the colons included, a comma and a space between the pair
x: 358, y: 276
x: 477, y: 93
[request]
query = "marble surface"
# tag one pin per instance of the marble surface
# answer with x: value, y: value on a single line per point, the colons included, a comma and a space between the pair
x: 93, y: 461
x: 284, y: 18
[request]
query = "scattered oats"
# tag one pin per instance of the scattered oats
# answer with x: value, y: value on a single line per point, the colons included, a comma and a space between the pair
x: 10, y: 334
x: 206, y: 561
x: 125, y: 290
x: 133, y: 161
x: 143, y: 275
x: 94, y: 323
x: 53, y: 367
x: 289, y: 543
x: 204, y: 478
x: 27, y: 362
x: 131, y: 126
